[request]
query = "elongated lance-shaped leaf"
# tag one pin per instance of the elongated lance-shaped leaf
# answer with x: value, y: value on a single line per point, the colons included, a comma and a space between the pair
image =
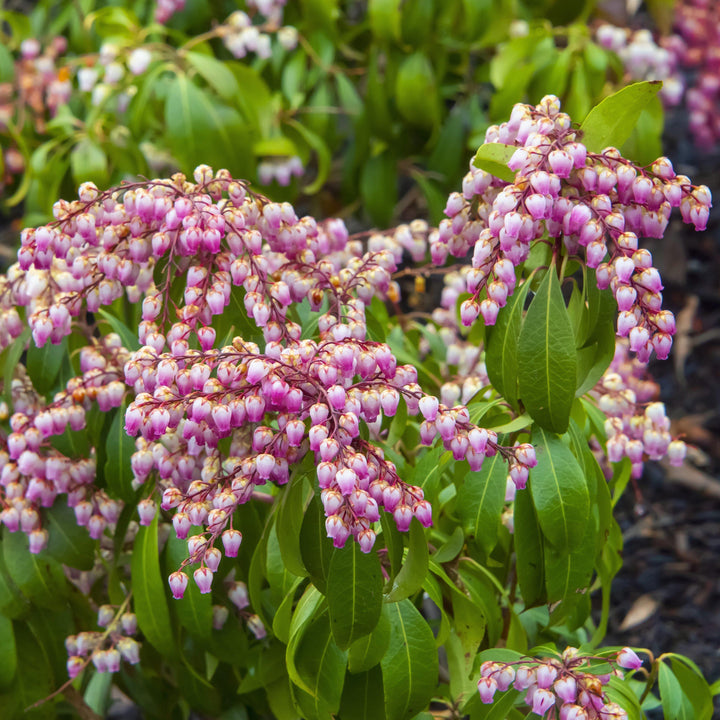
x: 493, y: 158
x: 321, y: 664
x: 119, y: 448
x: 362, y: 697
x: 367, y: 651
x: 547, y: 357
x: 354, y: 593
x: 148, y: 585
x: 501, y: 350
x: 559, y: 491
x: 528, y: 540
x: 481, y: 499
x: 414, y: 569
x: 410, y: 665
x: 612, y: 121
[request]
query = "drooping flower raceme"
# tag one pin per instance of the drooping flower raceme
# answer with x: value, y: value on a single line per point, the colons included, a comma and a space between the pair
x: 185, y: 251
x: 597, y: 204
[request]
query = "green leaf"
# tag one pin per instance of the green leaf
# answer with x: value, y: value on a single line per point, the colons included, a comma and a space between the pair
x: 612, y: 121
x: 675, y: 703
x: 88, y: 163
x: 97, y: 694
x: 316, y: 548
x: 293, y: 504
x: 354, y: 594
x: 378, y: 187
x: 321, y: 664
x: 493, y: 158
x: 568, y: 571
x: 321, y: 150
x: 367, y: 651
x: 618, y: 691
x: 8, y: 653
x: 416, y: 94
x: 410, y: 665
x: 309, y: 606
x: 200, y: 129
x: 362, y: 697
x: 255, y: 99
x: 129, y: 338
x: 215, y: 73
x: 194, y: 611
x: 559, y: 491
x: 34, y: 679
x: 501, y: 349
x: 39, y: 578
x: 547, y: 358
x: 481, y: 499
x: 694, y: 687
x: 385, y: 18
x: 12, y: 359
x: 69, y: 543
x: 449, y: 550
x: 43, y: 364
x: 528, y: 542
x: 149, y: 598
x: 413, y: 571
x: 119, y: 448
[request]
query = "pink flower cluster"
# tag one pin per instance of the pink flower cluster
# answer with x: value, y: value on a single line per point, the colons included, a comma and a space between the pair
x: 596, y: 204
x: 564, y: 688
x: 636, y: 427
x: 32, y: 472
x: 105, y: 649
x: 697, y: 46
x: 644, y: 59
x: 184, y: 251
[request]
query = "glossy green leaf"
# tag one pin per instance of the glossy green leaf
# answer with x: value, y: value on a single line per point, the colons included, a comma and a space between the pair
x: 8, y: 653
x: 694, y: 686
x: 293, y: 504
x: 34, y: 679
x: 119, y: 449
x: 528, y: 542
x: 194, y: 610
x: 481, y: 499
x: 128, y: 337
x: 414, y: 569
x: 362, y: 697
x: 215, y: 73
x: 354, y: 594
x: 322, y: 152
x: 416, y: 94
x: 12, y: 359
x: 12, y: 603
x: 69, y: 543
x: 559, y: 491
x: 283, y: 615
x: 200, y: 129
x: 675, y: 703
x: 148, y: 585
x: 88, y: 162
x: 97, y: 694
x: 43, y: 364
x: 612, y: 121
x: 501, y: 348
x: 378, y: 188
x: 410, y: 665
x: 316, y: 548
x: 321, y: 664
x: 547, y: 359
x: 39, y: 578
x: 309, y: 606
x: 568, y: 571
x: 367, y: 651
x: 450, y: 549
x: 385, y: 18
x: 493, y: 158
